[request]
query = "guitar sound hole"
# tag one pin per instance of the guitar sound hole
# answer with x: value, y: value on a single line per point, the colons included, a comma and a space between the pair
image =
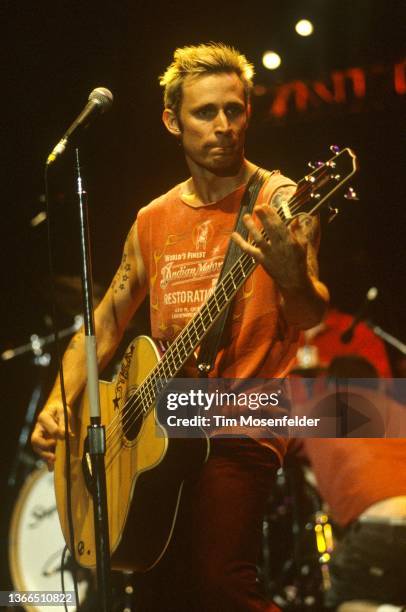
x: 132, y: 416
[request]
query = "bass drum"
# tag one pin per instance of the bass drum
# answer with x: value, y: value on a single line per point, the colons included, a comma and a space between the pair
x: 36, y: 543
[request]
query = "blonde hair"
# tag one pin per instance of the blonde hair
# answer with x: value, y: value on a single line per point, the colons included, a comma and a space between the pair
x: 199, y: 60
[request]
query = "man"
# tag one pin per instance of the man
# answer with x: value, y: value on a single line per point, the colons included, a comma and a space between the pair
x: 174, y: 250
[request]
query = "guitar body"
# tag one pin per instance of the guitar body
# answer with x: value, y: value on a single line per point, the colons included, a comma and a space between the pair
x: 145, y: 471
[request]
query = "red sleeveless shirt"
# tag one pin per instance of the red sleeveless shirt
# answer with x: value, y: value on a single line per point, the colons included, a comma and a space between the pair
x: 183, y: 248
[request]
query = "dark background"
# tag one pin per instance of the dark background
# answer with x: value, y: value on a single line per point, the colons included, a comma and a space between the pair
x: 55, y: 53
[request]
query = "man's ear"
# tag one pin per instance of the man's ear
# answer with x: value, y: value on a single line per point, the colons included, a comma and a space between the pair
x: 249, y: 111
x: 171, y: 122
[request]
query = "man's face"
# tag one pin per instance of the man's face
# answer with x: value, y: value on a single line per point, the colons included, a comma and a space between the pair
x: 213, y: 118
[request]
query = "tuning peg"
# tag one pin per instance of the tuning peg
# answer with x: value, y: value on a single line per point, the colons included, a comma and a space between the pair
x: 309, y: 178
x: 316, y: 164
x: 351, y: 194
x: 333, y: 213
x: 335, y: 149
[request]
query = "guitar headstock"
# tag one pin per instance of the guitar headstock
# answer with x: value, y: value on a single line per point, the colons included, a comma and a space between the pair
x: 326, y: 178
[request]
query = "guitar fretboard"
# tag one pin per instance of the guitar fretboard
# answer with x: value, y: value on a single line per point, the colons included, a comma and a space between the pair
x: 192, y: 335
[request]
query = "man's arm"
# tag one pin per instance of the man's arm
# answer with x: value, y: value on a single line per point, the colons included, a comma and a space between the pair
x: 290, y: 257
x: 126, y: 292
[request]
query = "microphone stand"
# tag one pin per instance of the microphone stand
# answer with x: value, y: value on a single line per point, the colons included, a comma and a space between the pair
x: 378, y: 331
x: 96, y: 431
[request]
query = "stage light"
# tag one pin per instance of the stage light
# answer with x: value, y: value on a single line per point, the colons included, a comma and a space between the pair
x: 304, y: 27
x: 271, y: 60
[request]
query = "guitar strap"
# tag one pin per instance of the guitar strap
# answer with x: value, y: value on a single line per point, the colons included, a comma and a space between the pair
x: 211, y: 342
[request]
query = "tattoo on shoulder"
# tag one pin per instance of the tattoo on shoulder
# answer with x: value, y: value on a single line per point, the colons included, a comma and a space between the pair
x: 282, y: 195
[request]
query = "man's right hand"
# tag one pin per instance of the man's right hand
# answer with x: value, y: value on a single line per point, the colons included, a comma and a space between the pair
x: 48, y: 429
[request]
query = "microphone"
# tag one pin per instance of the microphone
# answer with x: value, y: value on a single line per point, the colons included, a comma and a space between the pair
x: 347, y: 335
x: 100, y: 99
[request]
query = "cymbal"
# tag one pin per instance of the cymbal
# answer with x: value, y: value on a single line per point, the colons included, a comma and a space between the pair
x: 68, y: 299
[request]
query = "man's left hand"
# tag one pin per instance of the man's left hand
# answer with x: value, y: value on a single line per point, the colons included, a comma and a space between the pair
x: 283, y: 250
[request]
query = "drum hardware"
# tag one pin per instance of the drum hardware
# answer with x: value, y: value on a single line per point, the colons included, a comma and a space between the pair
x: 24, y: 461
x: 296, y: 542
x: 37, y: 342
x: 325, y: 545
x: 123, y: 591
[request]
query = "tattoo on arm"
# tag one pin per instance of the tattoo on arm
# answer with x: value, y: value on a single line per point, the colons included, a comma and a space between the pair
x: 309, y: 226
x: 310, y: 231
x: 120, y: 280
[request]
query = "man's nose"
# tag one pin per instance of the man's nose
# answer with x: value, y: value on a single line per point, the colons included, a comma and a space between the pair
x: 222, y: 123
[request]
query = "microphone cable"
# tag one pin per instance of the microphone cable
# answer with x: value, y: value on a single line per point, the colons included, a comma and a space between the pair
x: 62, y: 384
x: 65, y: 605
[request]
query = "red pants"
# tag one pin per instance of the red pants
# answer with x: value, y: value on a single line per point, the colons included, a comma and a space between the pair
x: 210, y: 564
